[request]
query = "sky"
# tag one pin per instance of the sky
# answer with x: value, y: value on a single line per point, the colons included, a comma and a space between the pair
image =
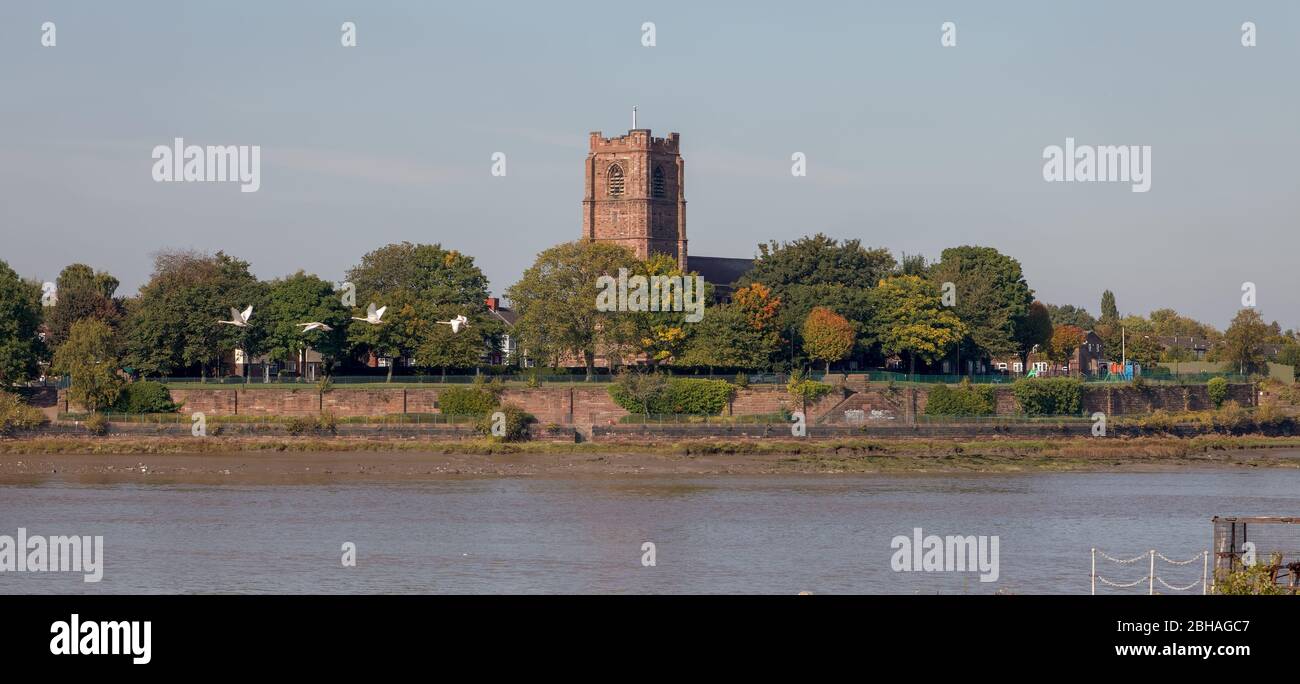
x: 910, y: 146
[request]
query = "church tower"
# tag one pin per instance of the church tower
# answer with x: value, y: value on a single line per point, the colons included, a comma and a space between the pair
x: 634, y: 194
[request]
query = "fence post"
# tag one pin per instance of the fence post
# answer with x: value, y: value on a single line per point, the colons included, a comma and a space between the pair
x: 1205, y: 572
x: 1094, y: 571
x: 1151, y: 579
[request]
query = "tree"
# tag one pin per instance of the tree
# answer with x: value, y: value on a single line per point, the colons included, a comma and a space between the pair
x: 81, y: 293
x: 1065, y: 340
x: 88, y: 359
x: 173, y: 325
x: 303, y: 298
x: 20, y: 316
x: 1068, y: 314
x: 1109, y: 311
x: 827, y: 336
x: 429, y: 272
x: 727, y: 338
x: 912, y: 320
x: 993, y: 299
x: 555, y: 302
x: 1035, y: 331
x: 820, y: 271
x: 1243, y: 342
x: 422, y: 284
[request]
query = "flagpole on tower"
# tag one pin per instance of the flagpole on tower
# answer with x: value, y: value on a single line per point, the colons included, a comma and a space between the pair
x: 634, y: 117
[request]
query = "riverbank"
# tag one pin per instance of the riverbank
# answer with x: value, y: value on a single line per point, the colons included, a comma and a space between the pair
x: 271, y: 460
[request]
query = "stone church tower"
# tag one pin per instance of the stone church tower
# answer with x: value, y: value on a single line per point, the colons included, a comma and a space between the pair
x: 634, y: 194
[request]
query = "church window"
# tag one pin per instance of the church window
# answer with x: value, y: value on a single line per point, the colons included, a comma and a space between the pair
x: 658, y: 182
x: 615, y: 180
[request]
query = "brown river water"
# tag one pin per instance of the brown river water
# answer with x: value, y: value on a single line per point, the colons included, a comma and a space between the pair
x: 719, y: 533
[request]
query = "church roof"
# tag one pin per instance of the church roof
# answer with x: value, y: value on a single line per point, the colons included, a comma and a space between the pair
x: 718, y: 270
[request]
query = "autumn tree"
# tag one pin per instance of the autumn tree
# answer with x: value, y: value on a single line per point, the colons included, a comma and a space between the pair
x: 1065, y: 340
x: 912, y: 320
x: 827, y: 336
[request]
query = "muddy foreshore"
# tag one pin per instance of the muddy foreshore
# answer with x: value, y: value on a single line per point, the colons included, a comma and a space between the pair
x: 269, y: 460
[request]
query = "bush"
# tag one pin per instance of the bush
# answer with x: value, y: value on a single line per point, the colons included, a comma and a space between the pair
x: 966, y: 400
x: 1218, y: 391
x: 17, y: 415
x: 325, y: 423
x: 679, y: 395
x: 742, y: 379
x: 467, y: 401
x: 1259, y: 579
x: 97, y: 424
x: 806, y: 391
x: 517, y: 421
x: 1049, y: 396
x: 145, y: 396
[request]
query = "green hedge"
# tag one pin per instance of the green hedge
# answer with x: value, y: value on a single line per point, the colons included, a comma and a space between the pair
x: 679, y: 395
x: 1049, y: 396
x: 466, y: 401
x: 145, y: 396
x: 966, y: 400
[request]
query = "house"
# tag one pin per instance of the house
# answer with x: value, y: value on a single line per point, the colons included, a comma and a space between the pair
x: 1196, y: 347
x: 509, y: 347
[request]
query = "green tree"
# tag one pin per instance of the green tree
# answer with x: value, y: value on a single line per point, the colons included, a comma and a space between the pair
x: 81, y: 293
x: 88, y: 358
x: 1243, y: 342
x: 913, y: 321
x: 993, y: 299
x: 1109, y: 311
x: 727, y: 338
x: 1068, y: 314
x: 1034, y: 331
x: 422, y: 284
x: 303, y: 298
x: 173, y: 325
x: 827, y: 336
x: 555, y: 302
x: 820, y: 271
x: 20, y: 316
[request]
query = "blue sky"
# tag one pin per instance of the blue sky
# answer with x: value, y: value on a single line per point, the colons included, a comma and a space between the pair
x: 910, y: 146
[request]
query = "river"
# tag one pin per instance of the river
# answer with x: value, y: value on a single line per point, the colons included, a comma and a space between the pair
x: 733, y: 534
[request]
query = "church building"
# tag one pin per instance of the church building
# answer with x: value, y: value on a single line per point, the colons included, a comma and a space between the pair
x: 634, y: 196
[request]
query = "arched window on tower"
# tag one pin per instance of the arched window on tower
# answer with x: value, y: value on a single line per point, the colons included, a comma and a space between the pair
x: 614, y: 176
x: 659, y: 183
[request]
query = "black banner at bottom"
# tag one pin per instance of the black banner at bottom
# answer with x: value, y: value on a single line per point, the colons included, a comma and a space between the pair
x: 335, y: 633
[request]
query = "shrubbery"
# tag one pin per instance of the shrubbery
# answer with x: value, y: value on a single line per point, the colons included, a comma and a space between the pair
x: 1218, y: 391
x: 144, y: 396
x: 517, y: 421
x: 678, y: 395
x: 805, y: 390
x: 96, y: 424
x: 467, y: 401
x: 965, y: 400
x: 324, y: 423
x: 1049, y: 396
x: 17, y: 415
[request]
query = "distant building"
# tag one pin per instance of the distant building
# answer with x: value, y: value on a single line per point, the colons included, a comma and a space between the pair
x: 1196, y: 347
x: 635, y: 196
